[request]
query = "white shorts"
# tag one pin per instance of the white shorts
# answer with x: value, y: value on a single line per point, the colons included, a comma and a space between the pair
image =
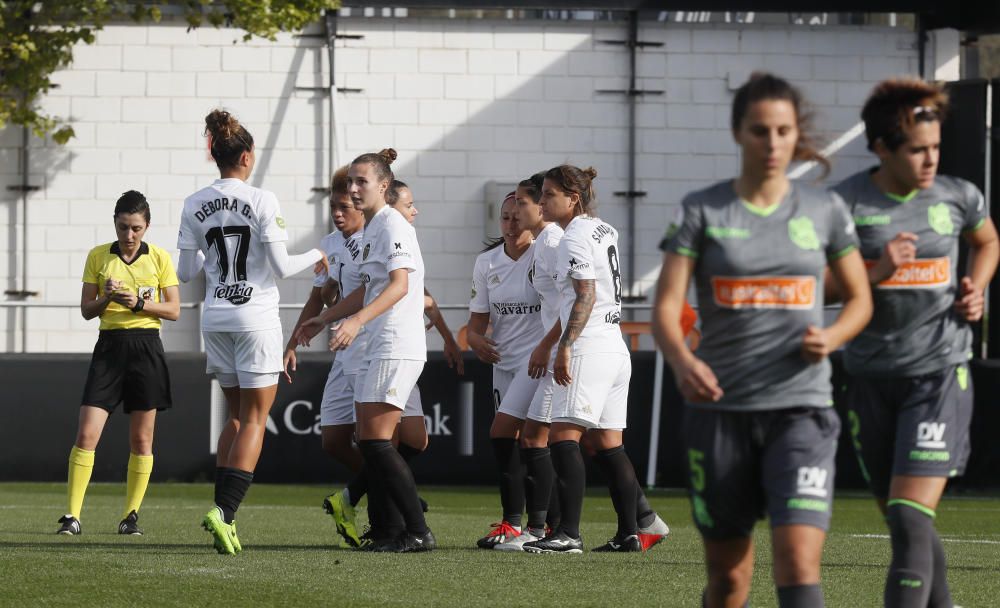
x: 540, y: 409
x: 414, y: 405
x: 254, y: 357
x: 598, y: 396
x: 387, y: 381
x: 512, y: 391
x: 338, y: 398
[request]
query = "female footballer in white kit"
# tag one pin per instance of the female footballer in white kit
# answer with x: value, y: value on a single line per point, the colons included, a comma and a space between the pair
x: 389, y: 305
x: 502, y: 296
x: 237, y: 233
x: 592, y: 364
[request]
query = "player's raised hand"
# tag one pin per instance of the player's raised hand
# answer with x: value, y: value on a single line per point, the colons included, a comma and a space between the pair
x: 902, y: 249
x: 970, y: 302
x: 323, y: 265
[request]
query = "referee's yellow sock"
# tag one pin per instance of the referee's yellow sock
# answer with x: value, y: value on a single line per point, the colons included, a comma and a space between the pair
x: 81, y: 464
x: 139, y: 469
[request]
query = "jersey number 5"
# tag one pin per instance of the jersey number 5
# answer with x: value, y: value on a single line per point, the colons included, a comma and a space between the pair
x: 217, y: 236
x: 616, y: 273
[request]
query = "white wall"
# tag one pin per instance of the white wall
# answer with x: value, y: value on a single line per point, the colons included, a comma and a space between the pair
x: 464, y: 103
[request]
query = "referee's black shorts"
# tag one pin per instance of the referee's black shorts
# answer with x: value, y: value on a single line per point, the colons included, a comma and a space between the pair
x: 128, y: 367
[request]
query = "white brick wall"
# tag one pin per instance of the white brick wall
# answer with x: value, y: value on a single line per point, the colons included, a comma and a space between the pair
x: 465, y: 103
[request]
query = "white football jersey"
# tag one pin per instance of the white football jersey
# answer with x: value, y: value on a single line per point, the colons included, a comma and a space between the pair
x: 390, y: 243
x: 231, y: 222
x: 344, y: 256
x: 589, y: 250
x: 545, y: 255
x: 500, y: 287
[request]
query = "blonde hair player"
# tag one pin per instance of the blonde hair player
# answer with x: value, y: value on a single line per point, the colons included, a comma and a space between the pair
x: 236, y: 232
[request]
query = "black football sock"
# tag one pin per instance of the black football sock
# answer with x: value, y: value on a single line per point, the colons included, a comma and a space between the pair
x: 220, y: 476
x: 511, y: 478
x: 408, y: 452
x: 571, y: 479
x: 554, y: 517
x: 644, y: 513
x: 622, y: 485
x: 911, y: 572
x: 357, y: 487
x: 800, y: 596
x: 940, y: 593
x: 233, y: 490
x: 538, y: 480
x: 397, y: 479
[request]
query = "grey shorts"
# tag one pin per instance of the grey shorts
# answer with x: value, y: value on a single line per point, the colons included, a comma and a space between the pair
x: 745, y: 465
x: 911, y: 426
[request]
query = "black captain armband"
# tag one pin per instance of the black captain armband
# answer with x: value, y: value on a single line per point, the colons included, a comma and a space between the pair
x: 140, y: 303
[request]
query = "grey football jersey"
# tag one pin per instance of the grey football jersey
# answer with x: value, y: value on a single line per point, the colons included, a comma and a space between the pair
x: 759, y: 280
x: 914, y: 330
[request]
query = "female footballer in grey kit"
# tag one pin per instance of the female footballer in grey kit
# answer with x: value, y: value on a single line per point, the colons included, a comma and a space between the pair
x: 910, y: 394
x: 759, y: 430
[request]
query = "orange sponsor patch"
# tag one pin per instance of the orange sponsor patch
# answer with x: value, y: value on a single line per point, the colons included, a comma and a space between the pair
x: 790, y: 292
x: 928, y: 273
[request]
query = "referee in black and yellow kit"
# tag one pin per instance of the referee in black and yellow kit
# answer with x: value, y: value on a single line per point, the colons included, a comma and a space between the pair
x: 131, y: 286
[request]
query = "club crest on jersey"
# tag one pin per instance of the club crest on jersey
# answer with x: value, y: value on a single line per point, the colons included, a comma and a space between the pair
x: 364, y: 254
x: 802, y: 233
x: 146, y: 293
x: 236, y: 294
x: 939, y: 217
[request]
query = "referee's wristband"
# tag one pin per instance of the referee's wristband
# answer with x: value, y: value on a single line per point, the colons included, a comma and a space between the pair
x: 140, y: 303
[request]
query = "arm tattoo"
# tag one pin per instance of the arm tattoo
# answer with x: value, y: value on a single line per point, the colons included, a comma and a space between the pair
x: 580, y: 313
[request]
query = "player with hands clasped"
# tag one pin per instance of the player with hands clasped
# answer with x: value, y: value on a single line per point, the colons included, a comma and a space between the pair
x: 236, y: 233
x: 760, y: 432
x: 131, y: 285
x: 910, y: 390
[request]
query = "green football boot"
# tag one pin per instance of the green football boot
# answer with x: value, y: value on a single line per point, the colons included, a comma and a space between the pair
x: 344, y: 517
x: 222, y: 533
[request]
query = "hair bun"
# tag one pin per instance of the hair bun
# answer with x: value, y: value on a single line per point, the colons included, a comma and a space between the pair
x: 220, y: 124
x: 590, y: 172
x: 388, y: 154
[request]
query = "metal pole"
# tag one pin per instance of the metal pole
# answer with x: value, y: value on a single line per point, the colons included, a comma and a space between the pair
x: 654, y: 422
x: 333, y: 145
x: 633, y: 42
x: 24, y: 236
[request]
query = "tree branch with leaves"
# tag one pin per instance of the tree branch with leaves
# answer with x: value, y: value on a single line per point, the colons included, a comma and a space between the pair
x: 37, y: 39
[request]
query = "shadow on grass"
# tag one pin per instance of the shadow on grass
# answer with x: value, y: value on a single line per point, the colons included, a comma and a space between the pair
x: 154, y: 547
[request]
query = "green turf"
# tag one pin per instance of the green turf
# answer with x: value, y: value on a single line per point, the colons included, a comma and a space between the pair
x: 290, y: 556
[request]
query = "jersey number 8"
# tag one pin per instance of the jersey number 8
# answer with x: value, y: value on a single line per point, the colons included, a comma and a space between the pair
x: 616, y: 273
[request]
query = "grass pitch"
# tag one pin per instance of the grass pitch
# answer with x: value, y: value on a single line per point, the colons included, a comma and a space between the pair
x: 291, y: 555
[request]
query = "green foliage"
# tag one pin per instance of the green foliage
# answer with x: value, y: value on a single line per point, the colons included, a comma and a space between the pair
x: 37, y: 38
